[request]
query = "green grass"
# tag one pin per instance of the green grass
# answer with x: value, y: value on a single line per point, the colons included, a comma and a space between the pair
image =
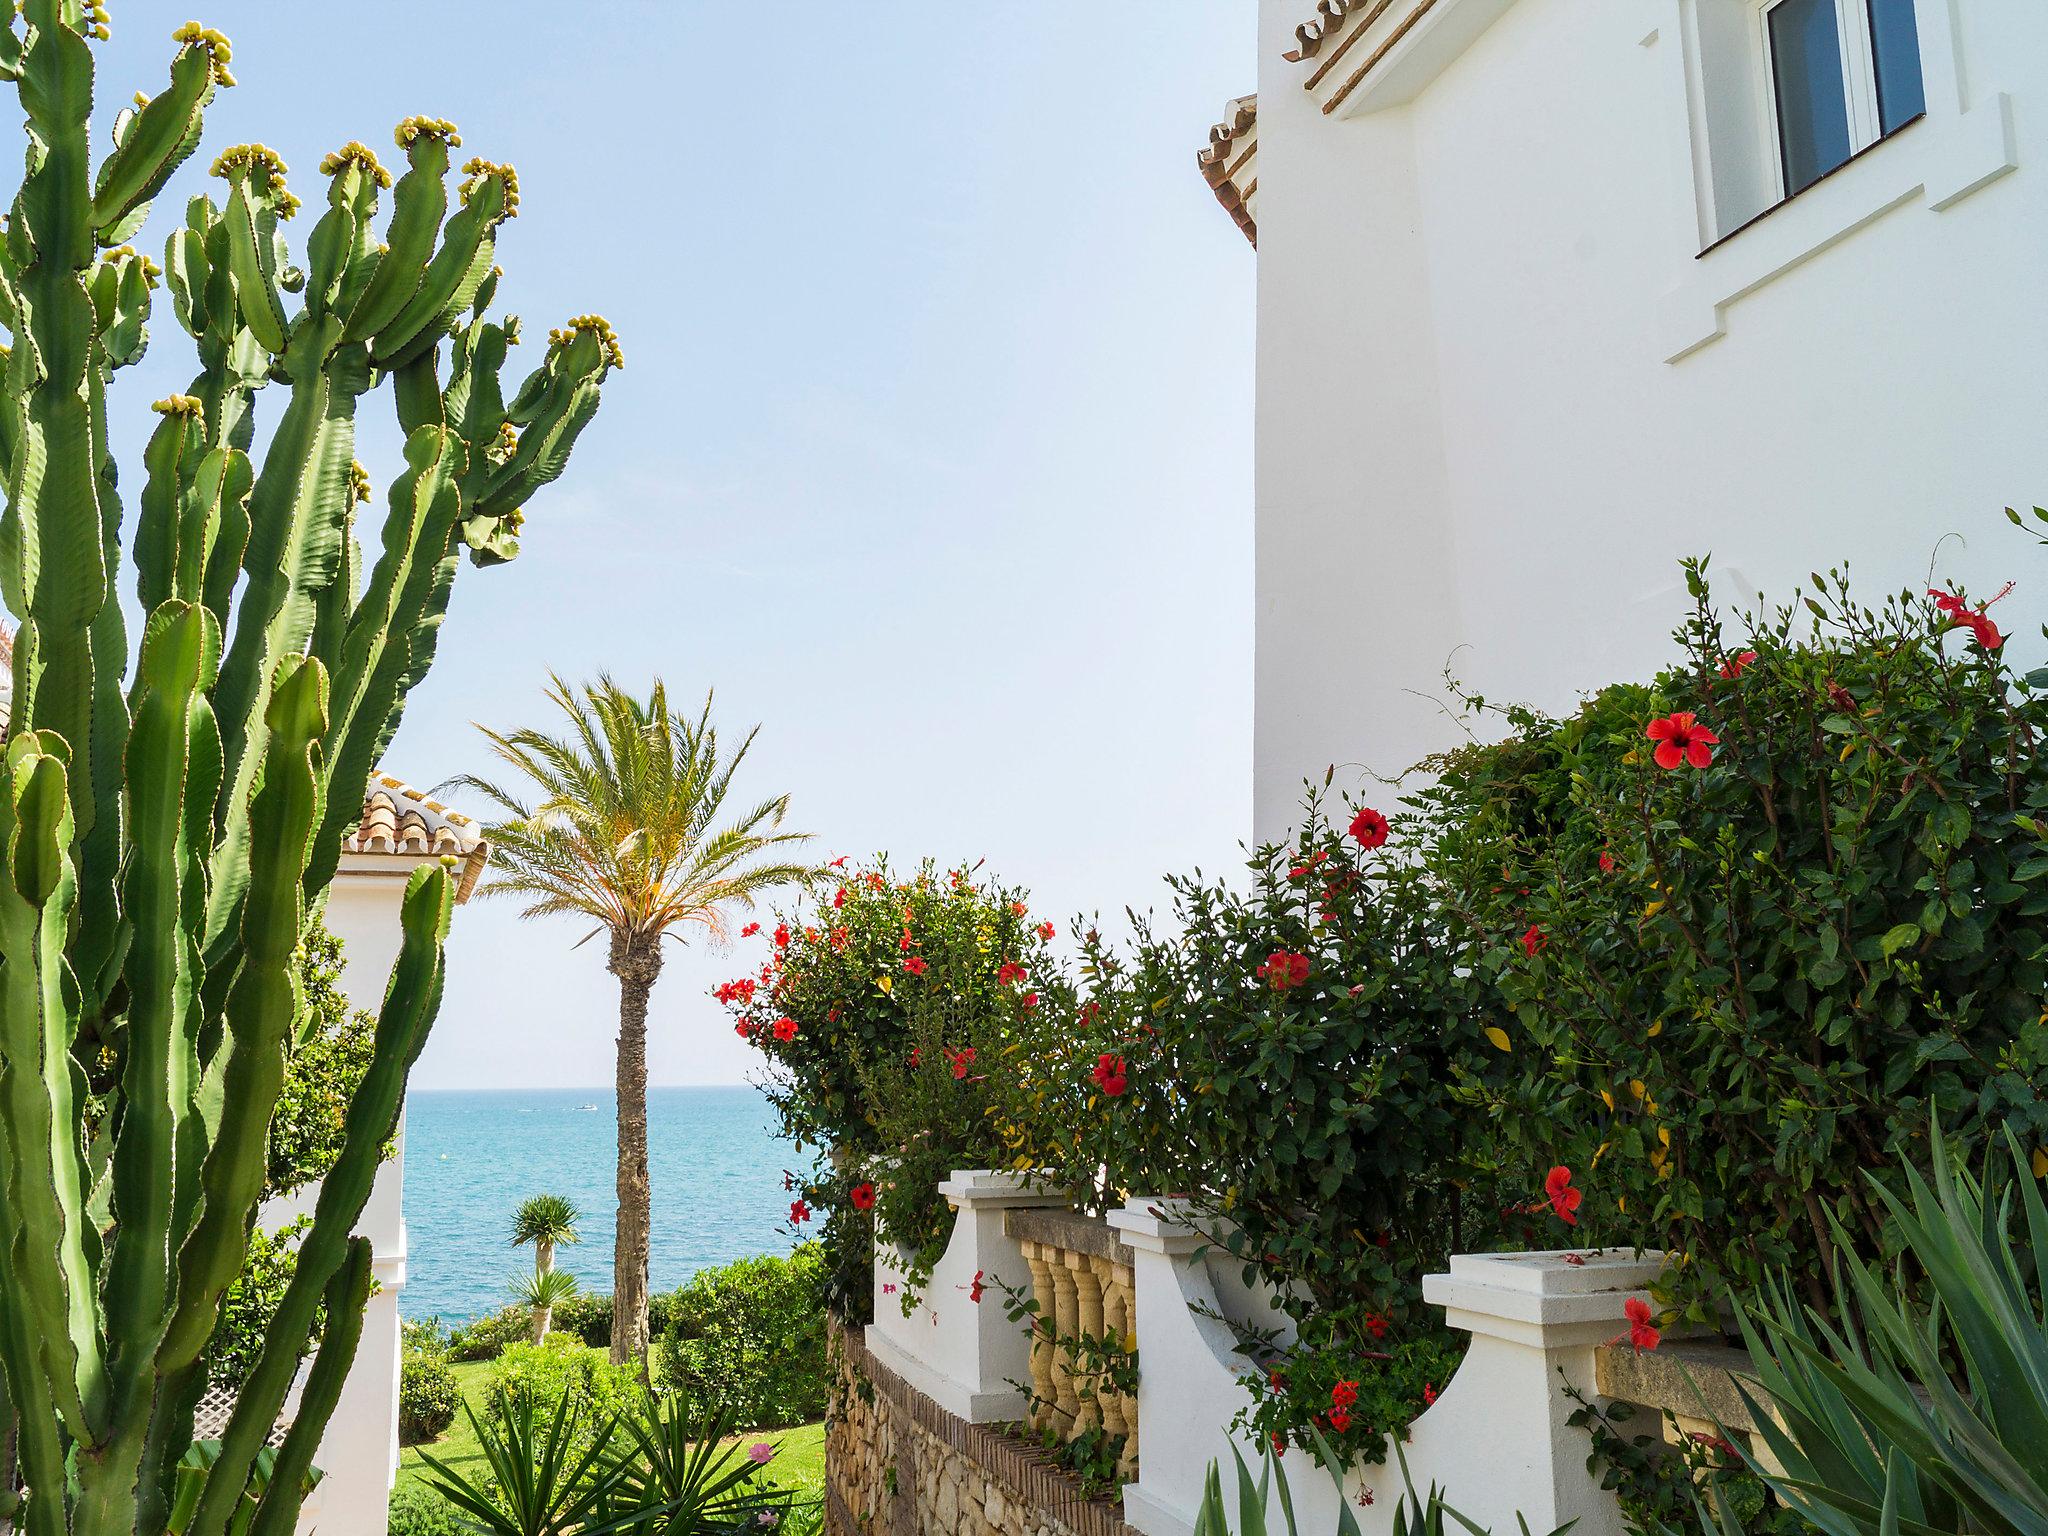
x: 799, y: 1464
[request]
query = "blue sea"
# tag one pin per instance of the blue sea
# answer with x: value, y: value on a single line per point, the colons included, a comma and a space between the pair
x: 471, y: 1157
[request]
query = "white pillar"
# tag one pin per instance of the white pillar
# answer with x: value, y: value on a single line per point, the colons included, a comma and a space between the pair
x: 964, y: 1355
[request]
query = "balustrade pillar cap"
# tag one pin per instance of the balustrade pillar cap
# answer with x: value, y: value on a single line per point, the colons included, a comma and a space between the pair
x: 1158, y: 1225
x: 996, y: 1188
x: 1565, y: 1289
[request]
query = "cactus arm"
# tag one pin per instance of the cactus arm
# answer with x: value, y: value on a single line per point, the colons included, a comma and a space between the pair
x: 297, y: 514
x: 343, y: 236
x: 178, y: 518
x: 459, y: 269
x: 180, y: 650
x: 262, y: 1005
x: 253, y: 264
x: 411, y: 1000
x: 38, y: 1084
x: 39, y: 1444
x: 551, y: 411
x: 159, y: 139
x: 423, y: 508
x: 418, y: 206
x: 347, y: 1294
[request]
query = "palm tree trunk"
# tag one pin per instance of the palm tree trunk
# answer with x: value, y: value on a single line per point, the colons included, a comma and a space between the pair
x: 636, y: 962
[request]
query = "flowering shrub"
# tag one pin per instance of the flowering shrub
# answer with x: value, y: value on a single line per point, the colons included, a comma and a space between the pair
x: 1772, y: 935
x: 883, y: 1007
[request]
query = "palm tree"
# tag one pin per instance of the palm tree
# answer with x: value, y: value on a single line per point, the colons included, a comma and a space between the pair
x: 624, y: 825
x: 545, y: 1221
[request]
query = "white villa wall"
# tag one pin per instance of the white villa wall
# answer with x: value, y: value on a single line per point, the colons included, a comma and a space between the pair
x: 1472, y: 448
x: 359, y: 1453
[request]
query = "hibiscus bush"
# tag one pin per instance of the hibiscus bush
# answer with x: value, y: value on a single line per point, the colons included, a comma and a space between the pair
x: 1746, y: 925
x: 879, y: 1007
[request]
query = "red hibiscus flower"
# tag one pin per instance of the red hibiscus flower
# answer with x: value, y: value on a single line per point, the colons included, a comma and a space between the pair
x: 1975, y: 620
x: 1283, y: 970
x: 916, y: 966
x: 1046, y: 931
x: 750, y: 930
x: 1564, y: 1200
x: 903, y: 944
x: 1641, y: 1335
x: 831, y: 1015
x: 1369, y: 829
x: 1340, y: 1419
x: 1735, y: 666
x: 975, y: 1289
x: 1019, y: 908
x: 782, y: 935
x: 744, y: 1030
x: 1606, y: 862
x: 1344, y: 1394
x: 916, y: 1052
x: 1090, y: 1012
x: 785, y: 1028
x: 1428, y: 1394
x: 961, y: 1060
x: 838, y: 863
x: 1681, y: 739
x: 862, y: 1196
x: 1111, y: 1075
x: 1009, y: 972
x: 799, y: 1213
x: 1030, y: 1000
x: 1533, y: 940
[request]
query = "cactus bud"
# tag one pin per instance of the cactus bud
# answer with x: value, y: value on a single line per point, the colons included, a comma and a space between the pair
x: 426, y: 127
x: 506, y: 444
x: 359, y: 480
x: 599, y: 327
x: 217, y: 48
x: 355, y: 153
x: 477, y: 170
x: 265, y: 170
x: 180, y: 405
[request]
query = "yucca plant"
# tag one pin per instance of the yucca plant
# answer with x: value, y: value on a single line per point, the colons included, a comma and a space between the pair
x: 1918, y: 1407
x: 682, y: 1470
x: 174, y: 810
x: 541, y: 1292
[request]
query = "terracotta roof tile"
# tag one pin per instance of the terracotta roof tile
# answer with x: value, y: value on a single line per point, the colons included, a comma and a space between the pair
x: 403, y: 822
x: 1324, y: 41
x: 1230, y: 163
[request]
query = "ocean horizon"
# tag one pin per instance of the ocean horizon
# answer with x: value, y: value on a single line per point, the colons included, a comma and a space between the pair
x: 473, y: 1154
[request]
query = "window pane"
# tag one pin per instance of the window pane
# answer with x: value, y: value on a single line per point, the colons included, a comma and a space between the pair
x: 1813, y: 101
x: 1895, y: 38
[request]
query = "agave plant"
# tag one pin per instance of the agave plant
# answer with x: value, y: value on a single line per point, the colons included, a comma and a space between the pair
x: 541, y: 1479
x: 174, y: 809
x: 685, y: 1474
x: 1918, y: 1408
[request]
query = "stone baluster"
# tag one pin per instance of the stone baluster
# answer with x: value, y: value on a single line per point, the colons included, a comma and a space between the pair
x: 1116, y: 1326
x: 1066, y: 1317
x: 1087, y: 1325
x: 1120, y: 1283
x: 1044, y: 1403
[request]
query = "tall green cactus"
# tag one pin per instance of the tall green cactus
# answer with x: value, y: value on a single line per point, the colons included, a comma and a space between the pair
x: 168, y: 820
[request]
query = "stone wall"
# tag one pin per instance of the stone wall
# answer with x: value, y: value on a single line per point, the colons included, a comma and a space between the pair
x: 897, y: 1464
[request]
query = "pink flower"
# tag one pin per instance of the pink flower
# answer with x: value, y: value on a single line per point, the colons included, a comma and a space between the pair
x: 760, y: 1453
x: 1681, y: 739
x: 1369, y: 828
x: 1641, y: 1335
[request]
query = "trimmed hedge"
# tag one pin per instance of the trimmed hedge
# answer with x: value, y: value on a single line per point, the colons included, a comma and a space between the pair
x: 750, y: 1337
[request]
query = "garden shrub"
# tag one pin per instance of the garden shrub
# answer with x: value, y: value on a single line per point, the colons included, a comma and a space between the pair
x: 559, y: 1366
x: 330, y: 1051
x: 252, y: 1300
x: 428, y: 1397
x: 485, y: 1338
x: 750, y: 1338
x: 588, y: 1315
x: 876, y: 1007
x: 418, y: 1510
x: 1727, y: 990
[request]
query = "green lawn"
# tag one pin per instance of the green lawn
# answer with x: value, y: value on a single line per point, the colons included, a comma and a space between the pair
x: 800, y: 1463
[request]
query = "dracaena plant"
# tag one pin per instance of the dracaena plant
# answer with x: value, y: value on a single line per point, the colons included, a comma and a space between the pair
x: 174, y: 805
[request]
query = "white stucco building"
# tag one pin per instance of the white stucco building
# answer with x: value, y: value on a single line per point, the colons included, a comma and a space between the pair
x: 401, y: 829
x: 1554, y: 292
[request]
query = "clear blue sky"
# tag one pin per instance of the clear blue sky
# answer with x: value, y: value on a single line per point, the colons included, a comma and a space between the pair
x: 932, y: 453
